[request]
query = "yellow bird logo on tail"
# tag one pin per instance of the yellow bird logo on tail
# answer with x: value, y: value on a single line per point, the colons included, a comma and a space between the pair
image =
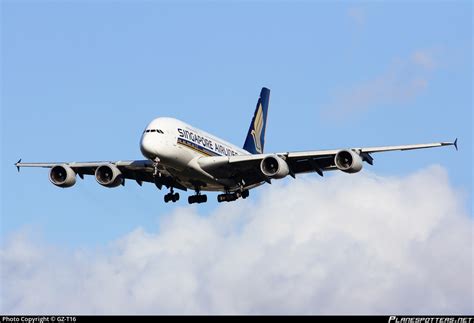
x: 257, y: 129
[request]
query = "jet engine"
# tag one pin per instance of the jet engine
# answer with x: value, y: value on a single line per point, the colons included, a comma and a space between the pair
x: 348, y: 161
x: 108, y: 175
x: 62, y: 176
x: 274, y: 167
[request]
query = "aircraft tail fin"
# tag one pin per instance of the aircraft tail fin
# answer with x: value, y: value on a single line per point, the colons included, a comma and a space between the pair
x: 255, y: 140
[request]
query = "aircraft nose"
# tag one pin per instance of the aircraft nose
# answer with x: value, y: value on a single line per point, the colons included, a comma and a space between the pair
x: 147, y: 146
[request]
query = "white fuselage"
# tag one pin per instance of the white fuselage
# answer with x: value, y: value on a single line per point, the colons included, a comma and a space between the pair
x: 177, y: 146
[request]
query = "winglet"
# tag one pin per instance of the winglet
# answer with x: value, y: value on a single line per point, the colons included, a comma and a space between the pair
x: 18, y: 167
x: 455, y: 143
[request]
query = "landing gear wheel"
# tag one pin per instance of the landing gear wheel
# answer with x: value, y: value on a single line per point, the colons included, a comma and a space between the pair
x: 228, y: 197
x: 197, y: 199
x: 245, y: 194
x: 175, y: 197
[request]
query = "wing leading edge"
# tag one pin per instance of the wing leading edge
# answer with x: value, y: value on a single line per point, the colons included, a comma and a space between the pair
x: 241, y: 168
x: 138, y: 170
x: 247, y: 167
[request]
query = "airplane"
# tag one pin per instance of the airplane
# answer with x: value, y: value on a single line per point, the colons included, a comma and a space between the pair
x: 180, y: 156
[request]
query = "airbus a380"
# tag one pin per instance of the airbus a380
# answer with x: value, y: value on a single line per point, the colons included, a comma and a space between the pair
x: 180, y: 156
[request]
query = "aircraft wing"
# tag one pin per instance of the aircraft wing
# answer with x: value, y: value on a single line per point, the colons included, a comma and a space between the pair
x: 247, y: 167
x: 138, y: 170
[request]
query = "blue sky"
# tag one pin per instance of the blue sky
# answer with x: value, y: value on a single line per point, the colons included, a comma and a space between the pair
x: 80, y: 81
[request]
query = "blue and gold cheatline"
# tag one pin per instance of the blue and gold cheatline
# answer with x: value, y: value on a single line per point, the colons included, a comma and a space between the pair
x: 202, y: 144
x: 196, y: 147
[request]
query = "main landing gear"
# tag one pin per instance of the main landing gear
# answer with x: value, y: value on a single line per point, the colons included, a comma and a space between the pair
x: 202, y: 198
x: 173, y: 197
x: 229, y: 197
x: 198, y: 198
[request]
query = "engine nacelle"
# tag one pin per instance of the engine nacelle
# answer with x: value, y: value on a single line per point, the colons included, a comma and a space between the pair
x: 62, y: 176
x: 108, y: 175
x: 274, y: 167
x: 348, y: 161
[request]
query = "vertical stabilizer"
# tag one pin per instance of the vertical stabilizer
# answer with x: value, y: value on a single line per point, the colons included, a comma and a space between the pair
x: 255, y: 140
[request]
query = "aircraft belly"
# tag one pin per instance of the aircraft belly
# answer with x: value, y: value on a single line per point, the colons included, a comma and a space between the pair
x: 191, y: 178
x: 211, y: 187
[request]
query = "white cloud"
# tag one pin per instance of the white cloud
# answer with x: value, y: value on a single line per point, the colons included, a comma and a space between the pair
x: 402, y: 81
x: 343, y: 244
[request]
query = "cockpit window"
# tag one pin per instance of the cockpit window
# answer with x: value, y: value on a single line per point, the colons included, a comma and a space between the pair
x: 153, y: 130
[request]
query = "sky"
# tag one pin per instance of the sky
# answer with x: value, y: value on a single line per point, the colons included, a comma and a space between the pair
x: 81, y: 80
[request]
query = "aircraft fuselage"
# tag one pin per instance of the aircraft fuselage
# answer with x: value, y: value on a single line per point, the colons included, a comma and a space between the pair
x: 177, y: 146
